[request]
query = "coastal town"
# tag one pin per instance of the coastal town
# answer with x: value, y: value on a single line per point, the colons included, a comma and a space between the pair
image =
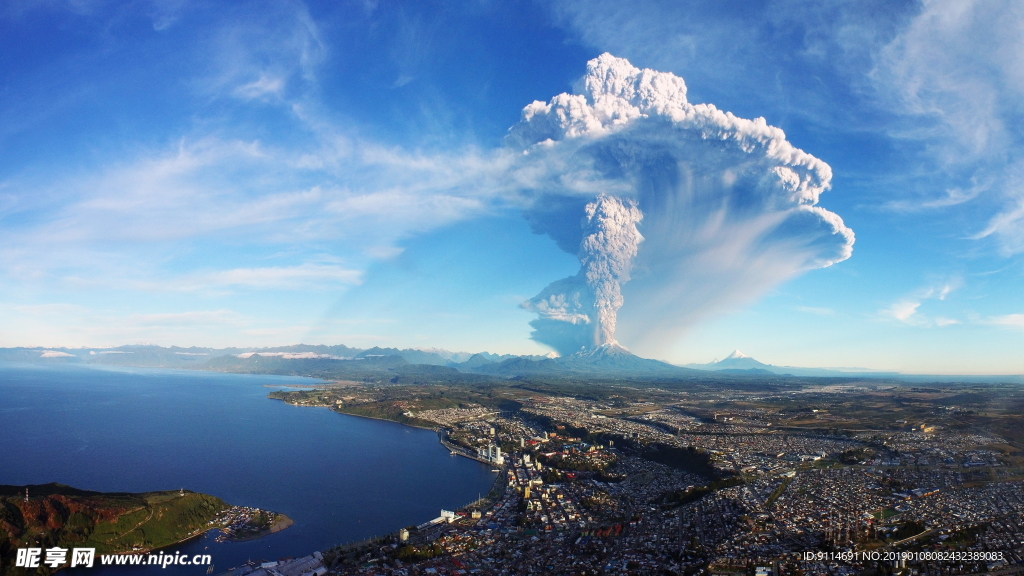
x: 662, y: 482
x: 240, y: 523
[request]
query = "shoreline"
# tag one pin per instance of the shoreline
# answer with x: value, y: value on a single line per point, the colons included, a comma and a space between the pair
x: 64, y: 569
x: 456, y: 451
x: 185, y: 539
x: 280, y: 523
x: 332, y: 409
x: 376, y: 418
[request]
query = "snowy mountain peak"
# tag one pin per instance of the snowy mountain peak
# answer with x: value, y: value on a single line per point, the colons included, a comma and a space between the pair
x: 610, y: 350
x: 735, y: 361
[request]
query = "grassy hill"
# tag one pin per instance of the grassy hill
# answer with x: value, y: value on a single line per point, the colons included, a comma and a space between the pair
x: 59, y: 515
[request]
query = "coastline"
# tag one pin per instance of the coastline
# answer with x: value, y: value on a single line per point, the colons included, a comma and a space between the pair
x: 434, y: 429
x: 441, y: 431
x: 280, y: 523
x: 452, y: 448
x: 183, y: 540
x: 333, y: 409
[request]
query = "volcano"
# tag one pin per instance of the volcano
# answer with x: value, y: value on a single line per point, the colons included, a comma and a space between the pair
x: 607, y: 359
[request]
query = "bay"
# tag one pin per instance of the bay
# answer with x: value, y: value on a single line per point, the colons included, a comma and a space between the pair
x: 340, y: 478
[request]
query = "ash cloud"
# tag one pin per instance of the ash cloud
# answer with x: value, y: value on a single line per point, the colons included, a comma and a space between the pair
x: 726, y: 208
x: 579, y: 312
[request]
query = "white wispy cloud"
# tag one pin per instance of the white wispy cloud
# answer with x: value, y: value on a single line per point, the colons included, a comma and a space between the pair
x: 308, y: 276
x: 947, y: 288
x: 53, y: 309
x: 956, y: 67
x: 190, y: 318
x: 249, y: 192
x: 265, y: 85
x: 1008, y: 321
x: 303, y: 276
x: 952, y: 197
x: 269, y: 53
x: 907, y: 310
x: 903, y: 311
x: 1009, y: 225
x: 57, y: 325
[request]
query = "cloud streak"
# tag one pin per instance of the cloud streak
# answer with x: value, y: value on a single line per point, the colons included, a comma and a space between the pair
x: 956, y: 68
x: 1009, y: 321
x: 907, y: 309
x: 56, y: 325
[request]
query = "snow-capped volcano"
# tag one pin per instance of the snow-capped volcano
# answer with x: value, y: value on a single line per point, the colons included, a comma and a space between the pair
x: 607, y: 359
x: 738, y: 361
x: 612, y: 358
x: 735, y: 361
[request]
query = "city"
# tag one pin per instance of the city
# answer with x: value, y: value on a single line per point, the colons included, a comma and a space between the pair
x: 646, y: 480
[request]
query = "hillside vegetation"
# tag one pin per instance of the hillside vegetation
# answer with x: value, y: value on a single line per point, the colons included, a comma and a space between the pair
x: 59, y: 515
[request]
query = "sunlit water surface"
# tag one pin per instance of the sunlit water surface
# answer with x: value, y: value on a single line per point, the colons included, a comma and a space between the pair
x: 340, y: 478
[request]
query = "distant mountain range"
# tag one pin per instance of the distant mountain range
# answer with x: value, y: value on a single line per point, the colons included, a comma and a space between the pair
x: 735, y: 362
x: 438, y: 365
x: 340, y: 362
x: 739, y: 363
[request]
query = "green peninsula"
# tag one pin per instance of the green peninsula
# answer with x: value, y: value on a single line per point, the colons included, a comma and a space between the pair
x: 116, y: 522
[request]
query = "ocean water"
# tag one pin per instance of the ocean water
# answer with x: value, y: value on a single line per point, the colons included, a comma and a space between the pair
x: 340, y: 478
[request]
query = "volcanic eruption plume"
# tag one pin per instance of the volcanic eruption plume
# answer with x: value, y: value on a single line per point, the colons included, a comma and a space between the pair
x: 726, y: 207
x: 590, y: 300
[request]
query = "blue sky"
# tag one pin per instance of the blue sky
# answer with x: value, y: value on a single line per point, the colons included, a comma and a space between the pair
x: 266, y: 173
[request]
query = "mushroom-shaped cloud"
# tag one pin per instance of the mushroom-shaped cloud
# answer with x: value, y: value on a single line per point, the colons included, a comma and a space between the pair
x: 726, y: 208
